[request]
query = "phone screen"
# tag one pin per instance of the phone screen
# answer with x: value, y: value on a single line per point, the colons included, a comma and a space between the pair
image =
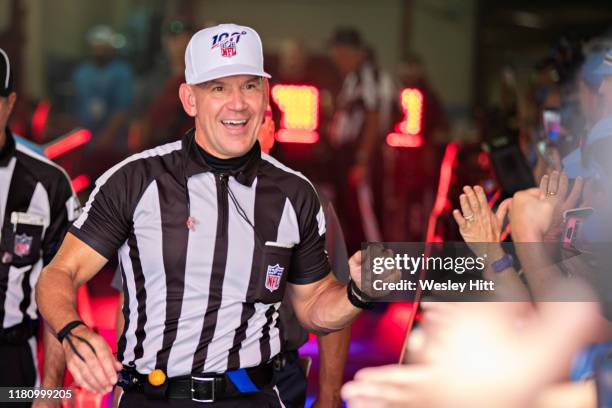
x: 552, y: 124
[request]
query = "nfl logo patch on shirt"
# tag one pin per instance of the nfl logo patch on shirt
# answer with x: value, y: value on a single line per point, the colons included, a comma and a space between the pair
x: 228, y: 49
x: 23, y: 243
x: 273, y: 277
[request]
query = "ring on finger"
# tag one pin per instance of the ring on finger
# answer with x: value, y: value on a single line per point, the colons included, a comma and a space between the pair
x: 469, y: 217
x: 551, y: 193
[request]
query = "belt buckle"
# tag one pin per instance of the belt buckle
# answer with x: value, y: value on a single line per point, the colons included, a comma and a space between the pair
x: 195, y: 381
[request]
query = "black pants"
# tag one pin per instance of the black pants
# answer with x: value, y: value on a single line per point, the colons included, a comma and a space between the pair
x: 267, y: 398
x: 292, y: 383
x: 17, y: 369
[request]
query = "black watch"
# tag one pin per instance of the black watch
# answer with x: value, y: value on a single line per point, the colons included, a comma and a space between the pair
x: 357, y: 297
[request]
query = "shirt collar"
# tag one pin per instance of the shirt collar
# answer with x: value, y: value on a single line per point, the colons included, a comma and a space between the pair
x: 195, y: 163
x: 8, y: 151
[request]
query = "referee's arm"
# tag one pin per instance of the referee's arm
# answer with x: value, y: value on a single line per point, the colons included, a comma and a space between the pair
x: 94, y: 368
x: 323, y: 306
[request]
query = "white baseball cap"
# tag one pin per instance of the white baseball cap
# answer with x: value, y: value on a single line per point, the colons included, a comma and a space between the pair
x: 222, y: 51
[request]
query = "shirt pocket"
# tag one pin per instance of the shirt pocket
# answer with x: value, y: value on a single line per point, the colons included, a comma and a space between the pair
x: 275, y: 264
x: 22, y: 239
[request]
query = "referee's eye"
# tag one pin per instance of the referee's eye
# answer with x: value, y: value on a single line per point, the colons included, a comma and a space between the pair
x: 217, y: 88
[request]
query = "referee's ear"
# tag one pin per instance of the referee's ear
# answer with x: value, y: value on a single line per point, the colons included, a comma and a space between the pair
x: 187, y: 98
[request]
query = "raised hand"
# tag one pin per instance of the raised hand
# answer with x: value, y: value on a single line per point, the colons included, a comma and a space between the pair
x: 555, y: 186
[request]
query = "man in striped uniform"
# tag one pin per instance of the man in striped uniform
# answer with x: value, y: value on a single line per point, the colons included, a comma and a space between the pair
x: 36, y: 205
x: 210, y: 233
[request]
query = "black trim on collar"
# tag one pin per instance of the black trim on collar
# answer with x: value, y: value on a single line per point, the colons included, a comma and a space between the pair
x: 8, y: 151
x: 196, y: 164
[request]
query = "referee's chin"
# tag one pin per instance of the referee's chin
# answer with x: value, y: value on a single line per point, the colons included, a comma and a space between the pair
x: 236, y: 147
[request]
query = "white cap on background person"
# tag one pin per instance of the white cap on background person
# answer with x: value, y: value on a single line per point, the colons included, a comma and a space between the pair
x: 222, y: 51
x: 6, y: 75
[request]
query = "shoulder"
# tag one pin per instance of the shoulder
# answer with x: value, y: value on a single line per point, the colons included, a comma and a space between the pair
x: 293, y: 185
x: 144, y: 166
x: 287, y: 179
x: 38, y: 165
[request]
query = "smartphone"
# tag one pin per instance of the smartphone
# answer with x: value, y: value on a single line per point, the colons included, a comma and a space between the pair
x: 552, y: 124
x: 573, y: 238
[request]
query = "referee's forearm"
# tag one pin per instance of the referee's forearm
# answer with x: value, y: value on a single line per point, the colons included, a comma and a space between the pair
x: 328, y: 309
x: 56, y: 297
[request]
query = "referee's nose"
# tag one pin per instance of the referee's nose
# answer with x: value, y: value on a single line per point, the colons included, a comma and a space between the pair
x: 237, y: 100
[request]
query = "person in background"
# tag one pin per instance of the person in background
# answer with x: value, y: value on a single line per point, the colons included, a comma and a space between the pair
x: 103, y: 93
x: 354, y: 132
x: 37, y: 205
x: 165, y: 117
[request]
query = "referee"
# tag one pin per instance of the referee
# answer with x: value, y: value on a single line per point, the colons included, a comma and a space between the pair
x: 210, y: 233
x: 36, y: 205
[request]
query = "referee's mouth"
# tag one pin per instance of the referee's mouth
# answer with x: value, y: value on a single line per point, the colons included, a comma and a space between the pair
x: 236, y: 126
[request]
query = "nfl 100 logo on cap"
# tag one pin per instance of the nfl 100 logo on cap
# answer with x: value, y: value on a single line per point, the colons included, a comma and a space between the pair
x: 222, y: 51
x: 227, y: 43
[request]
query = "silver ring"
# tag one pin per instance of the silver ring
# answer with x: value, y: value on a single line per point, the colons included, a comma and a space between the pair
x: 469, y: 217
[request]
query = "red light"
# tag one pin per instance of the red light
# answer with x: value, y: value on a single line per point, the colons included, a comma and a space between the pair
x: 408, y: 131
x: 299, y: 105
x: 39, y: 120
x: 446, y: 173
x: 80, y: 182
x: 70, y: 142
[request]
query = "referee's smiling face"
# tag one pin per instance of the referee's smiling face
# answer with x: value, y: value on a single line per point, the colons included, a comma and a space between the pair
x: 228, y: 113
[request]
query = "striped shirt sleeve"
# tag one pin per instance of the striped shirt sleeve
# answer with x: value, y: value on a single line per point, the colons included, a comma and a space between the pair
x: 309, y: 262
x: 106, y: 219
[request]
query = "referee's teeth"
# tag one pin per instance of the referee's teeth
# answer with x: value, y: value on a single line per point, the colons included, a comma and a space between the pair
x: 234, y: 122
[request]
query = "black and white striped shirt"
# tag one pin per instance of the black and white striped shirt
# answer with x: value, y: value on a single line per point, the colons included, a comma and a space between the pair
x: 203, y: 299
x: 360, y: 93
x: 37, y: 204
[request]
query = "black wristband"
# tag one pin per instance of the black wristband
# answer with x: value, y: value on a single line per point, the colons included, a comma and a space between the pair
x: 61, y: 335
x: 357, y: 297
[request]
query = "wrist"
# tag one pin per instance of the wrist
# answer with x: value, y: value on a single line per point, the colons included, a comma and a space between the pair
x: 68, y: 328
x: 526, y: 236
x: 494, y: 252
x: 357, y: 298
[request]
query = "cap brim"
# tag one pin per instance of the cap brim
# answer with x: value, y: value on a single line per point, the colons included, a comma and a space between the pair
x: 226, y: 71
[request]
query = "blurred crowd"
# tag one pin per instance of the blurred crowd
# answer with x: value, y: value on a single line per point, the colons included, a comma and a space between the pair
x: 539, y: 177
x: 536, y: 200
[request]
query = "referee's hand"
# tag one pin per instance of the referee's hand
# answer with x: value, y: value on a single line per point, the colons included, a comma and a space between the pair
x: 90, y: 360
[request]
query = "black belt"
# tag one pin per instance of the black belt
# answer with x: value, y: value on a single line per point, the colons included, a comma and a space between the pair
x: 283, y: 358
x: 200, y: 387
x: 20, y: 333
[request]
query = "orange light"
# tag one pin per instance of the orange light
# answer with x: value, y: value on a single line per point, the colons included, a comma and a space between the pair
x: 67, y: 143
x: 299, y: 105
x: 403, y: 140
x: 297, y: 136
x: 80, y: 182
x: 408, y: 131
